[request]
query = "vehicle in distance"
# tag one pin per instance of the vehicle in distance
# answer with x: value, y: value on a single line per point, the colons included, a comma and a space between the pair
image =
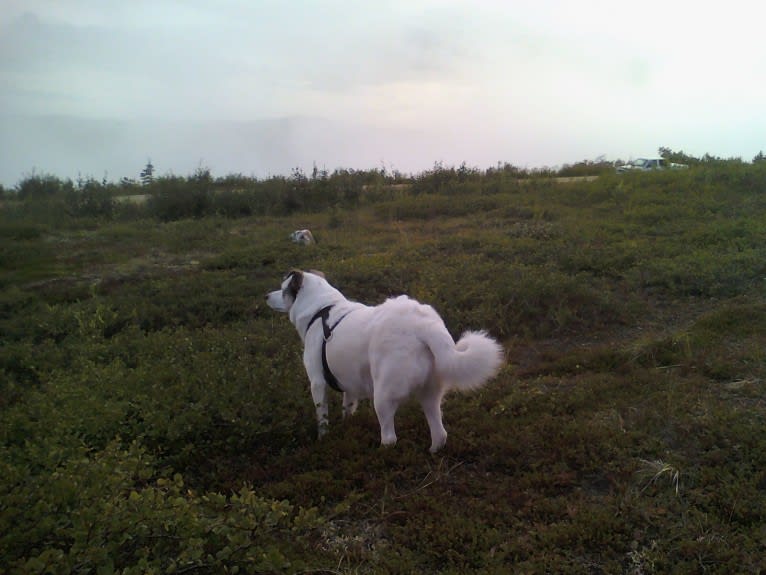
x: 648, y: 165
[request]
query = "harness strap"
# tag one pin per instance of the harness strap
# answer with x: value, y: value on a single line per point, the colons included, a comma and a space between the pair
x: 324, y: 313
x: 329, y: 377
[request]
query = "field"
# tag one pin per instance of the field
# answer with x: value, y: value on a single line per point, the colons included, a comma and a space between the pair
x: 155, y: 416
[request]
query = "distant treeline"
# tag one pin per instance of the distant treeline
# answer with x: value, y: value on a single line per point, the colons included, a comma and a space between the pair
x: 171, y: 197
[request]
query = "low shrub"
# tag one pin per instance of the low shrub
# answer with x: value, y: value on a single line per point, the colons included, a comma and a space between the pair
x: 111, y: 511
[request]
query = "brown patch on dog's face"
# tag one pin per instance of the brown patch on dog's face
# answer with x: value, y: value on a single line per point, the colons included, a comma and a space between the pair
x: 318, y: 273
x: 294, y: 285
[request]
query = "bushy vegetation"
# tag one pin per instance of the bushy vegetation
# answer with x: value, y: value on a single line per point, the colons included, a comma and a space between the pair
x: 155, y: 415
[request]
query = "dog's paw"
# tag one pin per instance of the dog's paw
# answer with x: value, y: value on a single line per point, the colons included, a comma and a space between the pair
x: 435, y: 447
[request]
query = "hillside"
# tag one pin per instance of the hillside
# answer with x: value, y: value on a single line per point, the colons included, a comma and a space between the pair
x: 155, y: 415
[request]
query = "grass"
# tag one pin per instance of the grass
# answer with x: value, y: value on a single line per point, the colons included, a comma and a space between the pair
x: 156, y: 416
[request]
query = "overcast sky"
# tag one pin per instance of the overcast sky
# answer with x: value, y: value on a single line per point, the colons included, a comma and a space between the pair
x: 259, y: 87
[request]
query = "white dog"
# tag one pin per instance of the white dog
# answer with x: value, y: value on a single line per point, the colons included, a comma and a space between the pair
x: 304, y: 237
x: 389, y: 352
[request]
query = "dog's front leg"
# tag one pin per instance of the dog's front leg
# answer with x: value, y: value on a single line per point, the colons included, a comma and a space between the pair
x: 319, y: 394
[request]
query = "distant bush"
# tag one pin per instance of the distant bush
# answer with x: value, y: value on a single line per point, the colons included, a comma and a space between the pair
x: 442, y: 180
x: 233, y: 204
x: 586, y: 168
x: 90, y: 199
x: 41, y: 186
x: 175, y: 198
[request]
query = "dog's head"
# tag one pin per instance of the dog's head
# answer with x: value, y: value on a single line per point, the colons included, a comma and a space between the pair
x: 303, y: 237
x: 283, y: 299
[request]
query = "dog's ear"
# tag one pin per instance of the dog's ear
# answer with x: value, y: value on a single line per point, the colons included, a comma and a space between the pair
x: 296, y: 281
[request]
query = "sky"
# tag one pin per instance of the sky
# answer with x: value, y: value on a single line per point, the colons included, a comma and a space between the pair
x: 96, y: 88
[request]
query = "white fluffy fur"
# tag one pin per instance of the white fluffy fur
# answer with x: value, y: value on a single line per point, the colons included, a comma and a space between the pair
x: 386, y: 353
x: 304, y: 237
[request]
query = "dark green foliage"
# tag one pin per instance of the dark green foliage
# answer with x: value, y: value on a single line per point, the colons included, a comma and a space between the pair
x: 175, y: 198
x: 91, y: 199
x: 155, y: 416
x: 110, y: 511
x: 587, y: 168
x: 41, y: 186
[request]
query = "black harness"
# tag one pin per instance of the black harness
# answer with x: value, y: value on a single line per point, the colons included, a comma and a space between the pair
x: 324, y: 313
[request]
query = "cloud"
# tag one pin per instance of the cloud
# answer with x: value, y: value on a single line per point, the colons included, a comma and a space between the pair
x: 267, y: 86
x: 101, y: 72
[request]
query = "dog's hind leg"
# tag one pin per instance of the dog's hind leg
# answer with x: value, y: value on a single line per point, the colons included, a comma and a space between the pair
x: 430, y: 401
x: 319, y: 395
x: 385, y: 409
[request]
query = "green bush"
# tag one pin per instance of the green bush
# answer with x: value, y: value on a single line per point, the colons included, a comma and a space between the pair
x: 41, y: 186
x: 109, y: 511
x: 90, y: 199
x: 173, y: 198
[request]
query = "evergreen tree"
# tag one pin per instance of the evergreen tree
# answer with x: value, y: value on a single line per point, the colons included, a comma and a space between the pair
x: 147, y: 176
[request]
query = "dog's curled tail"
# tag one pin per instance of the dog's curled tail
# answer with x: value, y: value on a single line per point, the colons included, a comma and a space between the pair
x: 470, y: 363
